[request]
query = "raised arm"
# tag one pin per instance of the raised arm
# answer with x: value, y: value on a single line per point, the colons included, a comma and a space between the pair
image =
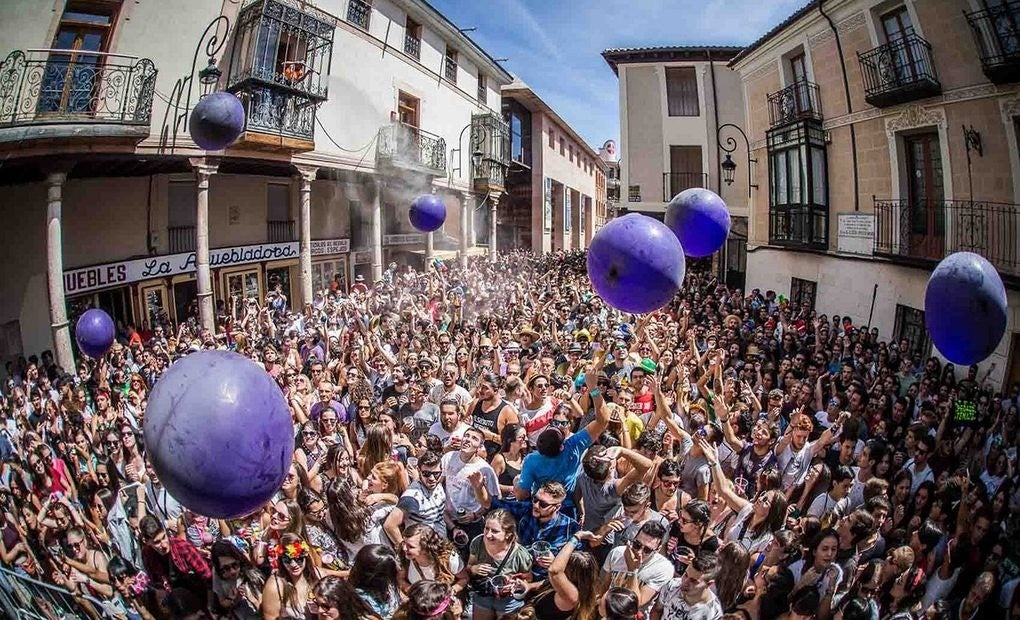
x: 722, y: 486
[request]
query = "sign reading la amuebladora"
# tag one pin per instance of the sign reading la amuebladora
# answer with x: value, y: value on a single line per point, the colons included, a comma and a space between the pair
x: 97, y: 277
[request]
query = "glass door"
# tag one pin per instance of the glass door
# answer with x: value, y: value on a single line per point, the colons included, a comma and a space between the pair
x: 154, y: 304
x: 72, y: 74
x: 237, y: 287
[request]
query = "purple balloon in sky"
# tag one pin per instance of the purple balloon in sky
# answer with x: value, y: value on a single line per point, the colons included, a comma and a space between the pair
x: 636, y: 264
x: 700, y: 220
x: 965, y: 308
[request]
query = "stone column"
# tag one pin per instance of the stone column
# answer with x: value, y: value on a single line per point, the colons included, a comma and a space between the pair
x: 466, y: 212
x: 304, y: 178
x: 55, y: 271
x: 429, y: 249
x: 493, y: 199
x: 204, y: 168
x: 377, y: 236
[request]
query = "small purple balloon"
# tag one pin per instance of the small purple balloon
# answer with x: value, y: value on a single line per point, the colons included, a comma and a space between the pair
x: 94, y: 332
x: 965, y: 308
x: 219, y: 433
x: 700, y: 220
x: 216, y: 121
x: 636, y: 264
x: 427, y: 213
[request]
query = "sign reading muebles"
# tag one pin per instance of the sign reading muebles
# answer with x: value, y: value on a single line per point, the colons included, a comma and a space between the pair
x: 96, y: 277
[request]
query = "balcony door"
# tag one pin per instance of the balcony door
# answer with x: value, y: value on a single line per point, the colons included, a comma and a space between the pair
x: 899, y: 64
x: 685, y: 169
x: 926, y: 219
x: 798, y: 71
x: 71, y: 76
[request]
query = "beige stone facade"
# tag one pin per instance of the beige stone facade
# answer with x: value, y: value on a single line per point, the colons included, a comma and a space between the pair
x: 888, y: 191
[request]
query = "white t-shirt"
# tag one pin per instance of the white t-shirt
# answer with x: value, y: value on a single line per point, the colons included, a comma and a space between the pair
x: 794, y: 466
x: 459, y: 394
x: 824, y: 503
x: 743, y: 535
x: 918, y: 478
x: 674, y: 607
x: 655, y: 573
x: 459, y: 492
x: 440, y: 432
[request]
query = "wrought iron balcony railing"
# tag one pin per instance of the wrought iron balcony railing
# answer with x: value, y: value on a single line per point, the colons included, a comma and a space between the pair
x: 799, y: 225
x: 490, y: 136
x: 285, y: 44
x: 275, y: 112
x: 45, y: 87
x: 996, y: 31
x: 798, y: 101
x: 406, y: 146
x: 675, y: 182
x: 280, y: 231
x: 926, y: 231
x: 359, y: 12
x: 900, y: 71
x: 181, y: 239
x: 412, y: 45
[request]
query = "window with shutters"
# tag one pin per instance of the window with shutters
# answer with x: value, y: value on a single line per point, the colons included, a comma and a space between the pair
x: 682, y: 91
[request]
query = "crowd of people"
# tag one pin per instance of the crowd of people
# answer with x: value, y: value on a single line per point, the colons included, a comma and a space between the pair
x: 499, y: 443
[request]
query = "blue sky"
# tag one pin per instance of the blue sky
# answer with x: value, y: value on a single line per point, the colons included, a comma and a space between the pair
x: 555, y: 45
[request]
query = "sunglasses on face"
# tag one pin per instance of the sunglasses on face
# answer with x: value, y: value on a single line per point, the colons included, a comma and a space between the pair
x: 543, y: 504
x: 431, y: 474
x: 293, y: 560
x: 638, y: 546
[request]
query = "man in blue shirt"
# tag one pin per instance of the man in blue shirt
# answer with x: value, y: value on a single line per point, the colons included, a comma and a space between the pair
x: 558, y: 456
x: 538, y: 520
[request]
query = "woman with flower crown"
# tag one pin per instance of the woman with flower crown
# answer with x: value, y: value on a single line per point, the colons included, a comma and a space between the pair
x: 291, y: 586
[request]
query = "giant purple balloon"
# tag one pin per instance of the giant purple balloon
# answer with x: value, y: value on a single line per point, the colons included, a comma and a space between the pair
x: 94, y: 332
x: 965, y: 308
x: 700, y: 220
x: 636, y: 263
x: 216, y: 121
x: 219, y: 434
x: 427, y: 212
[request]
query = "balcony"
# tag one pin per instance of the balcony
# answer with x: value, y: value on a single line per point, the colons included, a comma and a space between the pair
x: 412, y: 46
x: 899, y: 72
x: 675, y: 182
x: 490, y: 136
x: 798, y: 101
x: 996, y: 33
x: 799, y: 226
x: 359, y: 12
x: 403, y: 147
x: 926, y: 231
x: 279, y: 70
x: 280, y: 231
x: 74, y: 94
x: 181, y: 239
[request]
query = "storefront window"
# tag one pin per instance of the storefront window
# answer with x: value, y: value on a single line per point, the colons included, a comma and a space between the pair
x: 325, y: 272
x: 241, y: 286
x: 280, y: 277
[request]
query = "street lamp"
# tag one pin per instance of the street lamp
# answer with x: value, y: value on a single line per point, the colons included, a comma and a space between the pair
x: 209, y: 76
x: 727, y: 169
x: 728, y: 165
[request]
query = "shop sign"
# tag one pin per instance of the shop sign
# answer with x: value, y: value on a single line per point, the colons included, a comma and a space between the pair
x: 326, y: 247
x: 363, y: 257
x: 85, y: 279
x: 404, y: 239
x: 855, y: 233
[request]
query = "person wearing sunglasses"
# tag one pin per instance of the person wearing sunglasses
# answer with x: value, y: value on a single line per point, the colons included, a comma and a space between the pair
x: 539, y: 520
x: 289, y: 590
x: 449, y: 389
x: 236, y: 584
x: 424, y: 501
x: 640, y: 560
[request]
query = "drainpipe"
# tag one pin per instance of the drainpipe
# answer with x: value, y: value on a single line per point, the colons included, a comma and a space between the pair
x: 849, y: 105
x: 724, y: 255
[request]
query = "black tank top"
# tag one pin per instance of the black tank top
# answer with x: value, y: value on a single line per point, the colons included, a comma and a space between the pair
x: 488, y: 421
x: 545, y: 607
x: 509, y: 473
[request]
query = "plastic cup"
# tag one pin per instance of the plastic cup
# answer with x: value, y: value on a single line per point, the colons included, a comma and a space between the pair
x: 540, y: 548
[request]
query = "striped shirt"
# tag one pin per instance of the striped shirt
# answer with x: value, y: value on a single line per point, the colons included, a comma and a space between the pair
x: 421, y: 506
